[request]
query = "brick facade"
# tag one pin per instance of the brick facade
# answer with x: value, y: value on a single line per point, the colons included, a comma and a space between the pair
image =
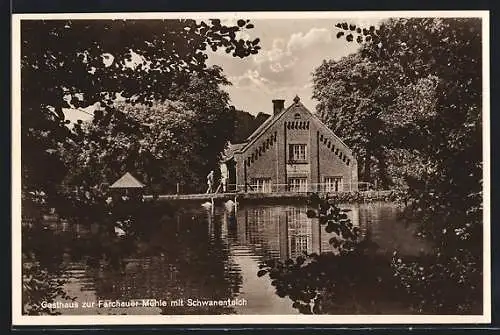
x: 292, y: 151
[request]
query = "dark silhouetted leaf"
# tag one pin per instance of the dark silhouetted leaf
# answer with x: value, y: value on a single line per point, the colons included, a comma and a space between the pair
x: 261, y: 273
x: 311, y: 213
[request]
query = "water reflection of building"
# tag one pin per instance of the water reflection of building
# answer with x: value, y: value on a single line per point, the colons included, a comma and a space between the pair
x: 300, y: 233
x: 260, y: 228
x: 283, y: 231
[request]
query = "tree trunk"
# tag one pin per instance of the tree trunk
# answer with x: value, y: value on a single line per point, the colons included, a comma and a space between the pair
x: 367, y: 169
x: 382, y: 172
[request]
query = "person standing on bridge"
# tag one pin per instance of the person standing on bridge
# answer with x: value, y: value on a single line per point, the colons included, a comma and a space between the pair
x: 210, y: 181
x: 223, y: 183
x: 223, y: 177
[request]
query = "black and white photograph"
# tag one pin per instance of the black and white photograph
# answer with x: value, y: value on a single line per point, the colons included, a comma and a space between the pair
x: 252, y: 167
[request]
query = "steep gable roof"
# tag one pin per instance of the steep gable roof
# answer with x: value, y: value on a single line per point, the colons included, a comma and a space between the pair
x: 127, y: 181
x: 274, y: 118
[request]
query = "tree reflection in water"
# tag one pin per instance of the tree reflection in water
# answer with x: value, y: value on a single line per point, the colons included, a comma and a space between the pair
x: 41, y: 271
x: 203, y: 254
x: 352, y: 278
x: 158, y: 258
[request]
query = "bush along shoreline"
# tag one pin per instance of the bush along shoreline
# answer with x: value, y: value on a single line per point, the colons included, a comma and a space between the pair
x: 352, y: 278
x: 369, y: 196
x: 339, y: 197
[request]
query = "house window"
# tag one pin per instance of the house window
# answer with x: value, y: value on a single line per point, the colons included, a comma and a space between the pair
x: 297, y: 152
x: 297, y: 184
x: 262, y: 185
x: 333, y: 184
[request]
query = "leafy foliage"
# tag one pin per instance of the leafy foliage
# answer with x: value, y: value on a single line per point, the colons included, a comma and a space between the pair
x: 157, y: 69
x: 42, y: 279
x: 426, y: 282
x: 40, y: 286
x: 163, y: 144
x: 81, y: 63
x: 430, y: 70
x: 331, y: 284
x: 245, y: 124
x: 339, y: 282
x: 354, y: 104
x: 335, y: 221
x: 440, y: 62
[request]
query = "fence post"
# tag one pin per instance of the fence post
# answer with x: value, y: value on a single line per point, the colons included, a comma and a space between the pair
x: 178, y: 188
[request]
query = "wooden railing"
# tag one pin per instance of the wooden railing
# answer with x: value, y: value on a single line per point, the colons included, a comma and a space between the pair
x: 308, y: 187
x: 283, y: 187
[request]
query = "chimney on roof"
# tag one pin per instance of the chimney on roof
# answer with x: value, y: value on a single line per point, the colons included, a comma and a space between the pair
x: 278, y: 106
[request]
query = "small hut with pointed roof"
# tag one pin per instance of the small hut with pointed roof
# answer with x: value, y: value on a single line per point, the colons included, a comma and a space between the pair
x: 127, y: 185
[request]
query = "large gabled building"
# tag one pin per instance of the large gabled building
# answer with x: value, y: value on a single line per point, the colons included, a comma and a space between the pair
x: 292, y: 151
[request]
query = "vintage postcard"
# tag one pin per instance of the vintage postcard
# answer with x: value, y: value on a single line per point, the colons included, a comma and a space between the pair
x: 251, y: 168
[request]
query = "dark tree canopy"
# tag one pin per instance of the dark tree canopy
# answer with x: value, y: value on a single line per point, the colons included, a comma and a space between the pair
x: 101, y: 58
x: 448, y: 52
x: 155, y: 104
x: 355, y: 104
x: 434, y: 128
x: 245, y: 124
x: 82, y: 63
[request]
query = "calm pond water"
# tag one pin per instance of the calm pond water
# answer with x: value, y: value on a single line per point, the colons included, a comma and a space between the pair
x: 206, y: 255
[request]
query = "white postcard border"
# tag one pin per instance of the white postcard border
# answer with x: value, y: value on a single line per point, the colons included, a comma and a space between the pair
x: 65, y: 320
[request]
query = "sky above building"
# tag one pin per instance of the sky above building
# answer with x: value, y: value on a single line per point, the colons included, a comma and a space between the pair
x: 291, y: 50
